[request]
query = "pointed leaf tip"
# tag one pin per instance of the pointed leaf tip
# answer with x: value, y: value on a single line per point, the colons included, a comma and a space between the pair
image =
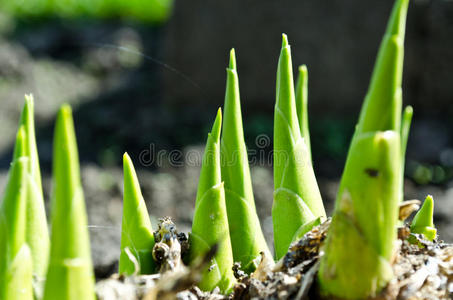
x: 126, y: 157
x: 20, y: 146
x: 232, y: 59
x: 285, y: 42
x: 303, y: 70
x: 397, y: 23
x: 424, y: 217
x: 29, y: 99
x: 423, y: 220
x: 66, y: 110
x: 408, y: 110
x: 215, y: 132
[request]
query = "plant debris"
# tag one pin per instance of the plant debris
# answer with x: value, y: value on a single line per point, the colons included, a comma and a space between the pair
x: 422, y: 271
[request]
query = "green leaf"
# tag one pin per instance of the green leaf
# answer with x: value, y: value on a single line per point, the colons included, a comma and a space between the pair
x: 247, y: 238
x: 37, y: 235
x: 210, y: 222
x: 363, y: 227
x: 382, y: 107
x: 15, y: 260
x: 19, y: 276
x: 297, y: 200
x: 302, y: 105
x: 70, y: 274
x: 136, y: 233
x: 423, y: 220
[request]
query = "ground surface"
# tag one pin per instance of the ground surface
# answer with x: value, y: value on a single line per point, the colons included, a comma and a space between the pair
x: 423, y: 271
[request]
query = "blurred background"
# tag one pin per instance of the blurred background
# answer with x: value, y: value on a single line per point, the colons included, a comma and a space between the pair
x: 146, y: 77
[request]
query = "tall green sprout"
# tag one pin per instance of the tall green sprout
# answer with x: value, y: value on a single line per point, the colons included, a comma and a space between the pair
x: 360, y: 241
x: 37, y: 235
x: 210, y: 221
x: 136, y: 233
x: 70, y: 274
x: 247, y: 238
x: 15, y: 255
x: 297, y: 200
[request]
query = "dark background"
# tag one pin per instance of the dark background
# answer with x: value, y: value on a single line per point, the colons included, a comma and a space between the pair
x: 139, y: 84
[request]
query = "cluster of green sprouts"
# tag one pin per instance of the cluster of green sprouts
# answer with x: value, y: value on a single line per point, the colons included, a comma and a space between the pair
x: 360, y: 243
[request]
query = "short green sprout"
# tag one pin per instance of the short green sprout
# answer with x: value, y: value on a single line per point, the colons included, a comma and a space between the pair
x: 70, y: 274
x: 297, y: 200
x: 136, y: 233
x: 15, y: 255
x: 247, y: 238
x: 37, y: 234
x: 210, y: 221
x: 423, y: 220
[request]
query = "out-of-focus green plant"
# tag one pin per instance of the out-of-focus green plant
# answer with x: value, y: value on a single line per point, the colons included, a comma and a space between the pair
x: 70, y: 274
x: 360, y: 241
x: 423, y: 220
x: 37, y: 235
x: 302, y: 105
x: 15, y: 255
x: 136, y: 233
x: 247, y: 238
x: 146, y: 11
x: 210, y: 221
x: 297, y: 201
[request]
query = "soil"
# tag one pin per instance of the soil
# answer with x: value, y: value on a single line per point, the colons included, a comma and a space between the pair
x: 422, y: 269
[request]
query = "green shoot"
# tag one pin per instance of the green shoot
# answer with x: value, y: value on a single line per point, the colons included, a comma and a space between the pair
x: 363, y: 228
x: 423, y: 220
x: 297, y: 200
x: 405, y: 127
x: 302, y: 105
x: 382, y: 106
x: 15, y: 256
x: 37, y: 234
x: 136, y: 234
x: 247, y: 238
x: 358, y: 236
x: 70, y: 273
x: 210, y: 222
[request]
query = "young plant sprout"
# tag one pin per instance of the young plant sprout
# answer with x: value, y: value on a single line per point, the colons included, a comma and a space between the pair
x: 37, y: 235
x: 423, y: 220
x: 136, y: 233
x: 302, y: 105
x: 15, y: 255
x: 360, y: 241
x: 70, y: 274
x: 210, y: 221
x: 247, y: 239
x: 297, y: 201
x: 405, y: 128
